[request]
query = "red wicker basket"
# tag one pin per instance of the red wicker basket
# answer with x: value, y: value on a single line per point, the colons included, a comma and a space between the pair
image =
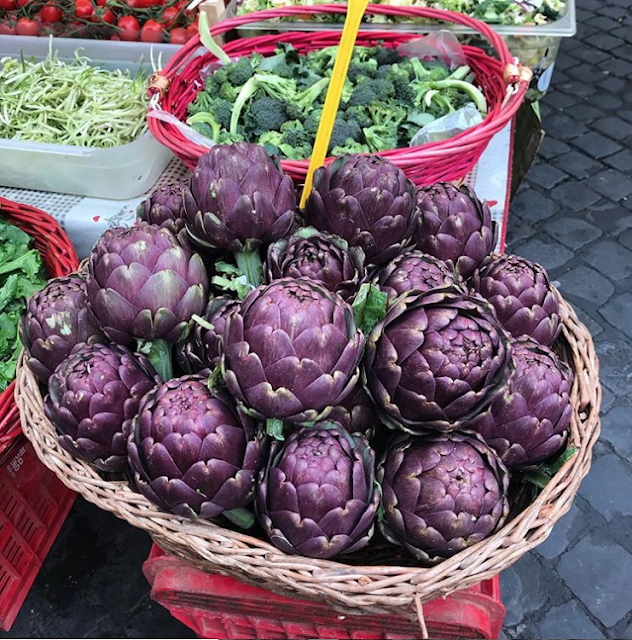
x: 503, y: 81
x: 59, y: 259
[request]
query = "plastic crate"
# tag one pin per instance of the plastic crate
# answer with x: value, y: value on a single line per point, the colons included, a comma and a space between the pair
x: 33, y: 507
x: 215, y: 606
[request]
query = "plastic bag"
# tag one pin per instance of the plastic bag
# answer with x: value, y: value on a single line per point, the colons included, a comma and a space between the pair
x: 448, y: 126
x: 441, y: 44
x: 189, y: 133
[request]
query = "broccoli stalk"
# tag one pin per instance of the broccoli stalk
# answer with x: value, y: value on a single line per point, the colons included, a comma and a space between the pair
x: 468, y: 89
x: 207, y: 118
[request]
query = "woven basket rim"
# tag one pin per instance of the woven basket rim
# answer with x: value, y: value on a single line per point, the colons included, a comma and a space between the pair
x: 352, y: 588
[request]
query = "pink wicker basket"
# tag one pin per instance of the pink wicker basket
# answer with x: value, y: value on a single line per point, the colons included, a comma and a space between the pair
x: 503, y: 81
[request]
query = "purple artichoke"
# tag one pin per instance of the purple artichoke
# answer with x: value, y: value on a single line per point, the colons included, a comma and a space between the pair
x: 193, y: 452
x: 292, y: 350
x: 93, y: 396
x: 143, y: 283
x: 357, y: 413
x: 529, y: 422
x: 522, y: 295
x: 238, y: 198
x: 441, y: 494
x: 454, y: 225
x: 415, y: 271
x: 436, y: 360
x: 164, y: 207
x: 202, y: 349
x: 318, y: 256
x: 57, y: 319
x: 317, y: 496
x: 368, y: 202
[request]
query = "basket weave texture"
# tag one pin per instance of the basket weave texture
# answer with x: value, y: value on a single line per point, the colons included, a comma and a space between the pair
x: 503, y: 82
x: 365, y: 585
x: 59, y: 259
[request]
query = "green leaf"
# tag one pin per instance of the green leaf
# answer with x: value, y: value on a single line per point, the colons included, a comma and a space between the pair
x: 243, y: 518
x: 369, y: 307
x: 542, y: 476
x: 274, y: 428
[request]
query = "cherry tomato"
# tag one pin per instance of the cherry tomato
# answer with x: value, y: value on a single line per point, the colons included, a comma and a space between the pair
x: 107, y: 16
x: 179, y: 36
x: 151, y: 31
x: 7, y: 29
x: 26, y: 27
x: 51, y: 13
x: 193, y: 30
x: 101, y: 3
x: 182, y: 6
x: 128, y: 28
x: 168, y: 17
x: 84, y: 9
x: 7, y: 5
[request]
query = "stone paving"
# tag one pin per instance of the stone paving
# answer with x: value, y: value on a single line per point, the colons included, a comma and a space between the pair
x: 573, y: 214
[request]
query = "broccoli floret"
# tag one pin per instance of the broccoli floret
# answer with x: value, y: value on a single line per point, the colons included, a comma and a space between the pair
x: 266, y: 114
x: 271, y: 140
x: 203, y: 128
x: 386, y: 55
x: 350, y: 147
x: 276, y: 65
x: 238, y: 73
x: 388, y: 115
x: 362, y: 96
x: 381, y: 138
x: 362, y: 69
x: 360, y: 115
x: 296, y: 143
x: 344, y: 131
x: 222, y: 110
x: 312, y: 121
x: 216, y: 115
x: 305, y: 99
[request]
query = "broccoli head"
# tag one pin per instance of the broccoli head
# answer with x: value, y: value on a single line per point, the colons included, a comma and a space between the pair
x: 362, y: 69
x: 369, y: 91
x: 350, y: 147
x: 266, y: 114
x: 238, y: 73
x: 344, y: 131
x: 360, y: 115
x: 386, y: 55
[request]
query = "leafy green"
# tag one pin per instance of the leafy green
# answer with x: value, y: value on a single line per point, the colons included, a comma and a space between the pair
x: 21, y: 275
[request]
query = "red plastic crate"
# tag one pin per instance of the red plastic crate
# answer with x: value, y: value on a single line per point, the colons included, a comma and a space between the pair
x: 33, y: 507
x: 223, y: 608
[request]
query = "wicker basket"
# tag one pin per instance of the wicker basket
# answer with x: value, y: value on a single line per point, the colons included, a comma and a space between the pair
x: 503, y: 82
x: 59, y: 259
x: 362, y: 584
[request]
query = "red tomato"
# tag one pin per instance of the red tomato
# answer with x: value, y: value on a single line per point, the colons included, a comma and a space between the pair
x: 193, y: 30
x: 128, y: 28
x: 101, y: 3
x: 7, y: 5
x: 107, y: 16
x: 179, y: 36
x: 182, y: 6
x: 26, y: 27
x: 7, y: 29
x: 23, y: 3
x: 84, y: 9
x: 168, y: 17
x: 51, y: 13
x: 151, y: 31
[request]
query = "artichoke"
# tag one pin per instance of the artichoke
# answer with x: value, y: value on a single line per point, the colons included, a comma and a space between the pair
x: 144, y: 284
x: 441, y: 494
x: 357, y: 413
x: 238, y: 198
x: 368, y: 202
x: 522, y: 295
x: 317, y: 496
x: 193, y: 452
x: 436, y: 360
x: 202, y: 349
x: 57, y: 318
x: 93, y: 396
x: 416, y: 271
x: 164, y: 207
x: 292, y: 350
x: 454, y: 225
x: 319, y: 256
x: 529, y: 422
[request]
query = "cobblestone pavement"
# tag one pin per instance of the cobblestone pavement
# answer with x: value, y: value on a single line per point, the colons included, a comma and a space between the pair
x: 573, y: 214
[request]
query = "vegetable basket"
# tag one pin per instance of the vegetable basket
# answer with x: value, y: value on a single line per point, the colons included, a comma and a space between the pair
x: 379, y: 579
x: 59, y: 259
x: 503, y: 81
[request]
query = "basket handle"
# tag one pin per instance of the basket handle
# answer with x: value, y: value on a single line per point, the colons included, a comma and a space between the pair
x: 515, y: 74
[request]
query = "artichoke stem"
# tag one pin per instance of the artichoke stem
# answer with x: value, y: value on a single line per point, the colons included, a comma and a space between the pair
x: 249, y: 263
x: 159, y: 354
x: 243, y: 518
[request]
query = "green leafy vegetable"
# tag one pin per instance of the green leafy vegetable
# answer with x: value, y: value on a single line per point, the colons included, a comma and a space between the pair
x: 21, y: 274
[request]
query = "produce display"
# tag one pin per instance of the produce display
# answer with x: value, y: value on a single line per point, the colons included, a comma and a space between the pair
x: 21, y: 275
x: 128, y: 20
x: 277, y: 101
x: 362, y: 372
x: 516, y: 12
x: 70, y: 103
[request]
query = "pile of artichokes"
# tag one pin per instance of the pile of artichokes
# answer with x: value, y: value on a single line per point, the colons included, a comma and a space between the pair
x: 365, y: 365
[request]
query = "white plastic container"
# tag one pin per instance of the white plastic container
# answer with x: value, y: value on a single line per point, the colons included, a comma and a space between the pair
x: 116, y: 173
